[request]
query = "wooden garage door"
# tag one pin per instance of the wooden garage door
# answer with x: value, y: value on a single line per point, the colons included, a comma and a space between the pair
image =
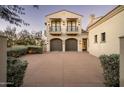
x: 71, y: 45
x: 56, y: 45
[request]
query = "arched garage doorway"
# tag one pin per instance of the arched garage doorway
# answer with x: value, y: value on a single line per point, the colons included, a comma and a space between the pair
x: 71, y: 44
x: 56, y: 44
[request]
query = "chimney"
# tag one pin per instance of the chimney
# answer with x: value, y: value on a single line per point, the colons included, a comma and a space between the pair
x: 91, y: 19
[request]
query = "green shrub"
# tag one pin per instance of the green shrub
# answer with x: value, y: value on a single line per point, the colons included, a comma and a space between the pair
x: 17, y: 52
x: 34, y: 50
x: 15, y: 71
x: 110, y: 66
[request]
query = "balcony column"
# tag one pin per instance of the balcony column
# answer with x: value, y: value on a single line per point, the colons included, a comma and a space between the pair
x: 48, y: 45
x: 79, y: 24
x: 79, y: 45
x: 64, y: 24
x: 63, y: 45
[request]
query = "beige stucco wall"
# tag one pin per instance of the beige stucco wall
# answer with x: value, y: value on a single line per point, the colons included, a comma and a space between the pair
x: 3, y: 57
x: 122, y: 61
x: 63, y: 15
x: 63, y: 38
x: 114, y: 28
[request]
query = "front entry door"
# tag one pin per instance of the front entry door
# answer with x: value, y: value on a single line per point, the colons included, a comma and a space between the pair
x: 84, y: 44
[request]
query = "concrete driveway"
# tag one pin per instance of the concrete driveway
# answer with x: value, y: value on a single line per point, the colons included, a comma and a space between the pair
x: 58, y: 69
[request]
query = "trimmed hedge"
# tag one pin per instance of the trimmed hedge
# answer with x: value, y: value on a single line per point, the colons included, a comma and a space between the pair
x: 15, y: 67
x: 17, y: 52
x: 20, y: 51
x: 34, y: 50
x: 15, y: 71
x: 111, y: 67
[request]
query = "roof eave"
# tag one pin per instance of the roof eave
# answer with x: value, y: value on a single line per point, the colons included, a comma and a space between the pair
x: 104, y: 16
x: 64, y: 10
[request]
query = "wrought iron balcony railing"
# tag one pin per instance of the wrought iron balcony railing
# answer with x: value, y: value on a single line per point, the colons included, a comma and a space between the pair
x: 55, y: 29
x: 72, y: 29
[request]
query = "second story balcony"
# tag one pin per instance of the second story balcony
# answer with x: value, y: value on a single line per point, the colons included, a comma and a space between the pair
x: 55, y: 30
x: 72, y: 30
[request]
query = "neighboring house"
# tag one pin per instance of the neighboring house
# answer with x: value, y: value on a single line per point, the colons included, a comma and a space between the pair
x: 64, y: 32
x: 104, y: 33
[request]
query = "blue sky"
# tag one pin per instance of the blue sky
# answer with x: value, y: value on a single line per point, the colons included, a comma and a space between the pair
x: 36, y: 16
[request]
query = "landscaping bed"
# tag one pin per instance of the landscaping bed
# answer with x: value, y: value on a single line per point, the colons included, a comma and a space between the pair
x: 15, y: 67
x: 15, y: 71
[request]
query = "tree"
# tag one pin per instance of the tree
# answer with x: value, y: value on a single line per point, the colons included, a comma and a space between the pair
x: 36, y: 6
x: 11, y: 13
x: 38, y: 37
x: 1, y: 33
x: 11, y: 36
x: 25, y: 38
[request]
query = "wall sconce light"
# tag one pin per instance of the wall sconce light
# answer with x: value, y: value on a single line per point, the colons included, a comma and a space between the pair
x: 80, y: 42
x: 78, y: 23
x: 63, y: 22
x: 45, y: 23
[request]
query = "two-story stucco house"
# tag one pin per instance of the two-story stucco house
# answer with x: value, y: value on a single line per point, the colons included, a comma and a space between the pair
x: 64, y: 32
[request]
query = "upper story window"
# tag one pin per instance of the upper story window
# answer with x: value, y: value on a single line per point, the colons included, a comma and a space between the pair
x: 71, y: 23
x: 95, y: 38
x: 55, y: 23
x: 103, y: 37
x: 71, y: 26
x: 55, y: 26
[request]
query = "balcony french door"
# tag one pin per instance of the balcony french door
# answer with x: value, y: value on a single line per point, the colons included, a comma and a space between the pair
x: 71, y: 26
x: 55, y: 26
